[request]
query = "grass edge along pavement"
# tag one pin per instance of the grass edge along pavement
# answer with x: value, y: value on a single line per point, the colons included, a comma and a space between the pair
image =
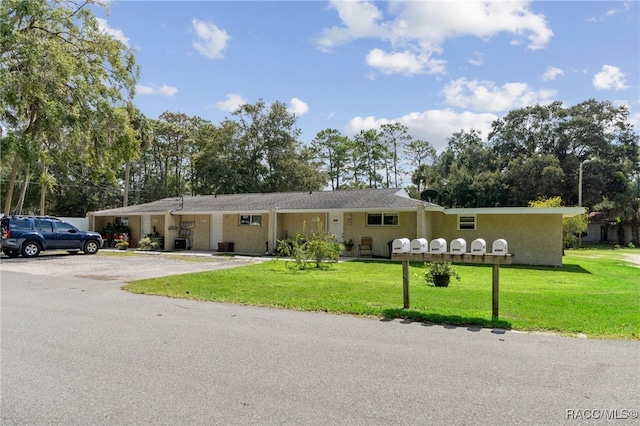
x: 596, y: 293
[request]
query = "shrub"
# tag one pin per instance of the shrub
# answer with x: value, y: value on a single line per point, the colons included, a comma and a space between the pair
x: 315, y: 249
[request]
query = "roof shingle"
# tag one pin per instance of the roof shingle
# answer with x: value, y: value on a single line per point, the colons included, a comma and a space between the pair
x: 379, y: 199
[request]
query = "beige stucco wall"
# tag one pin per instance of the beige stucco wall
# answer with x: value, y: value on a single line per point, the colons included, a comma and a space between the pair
x: 355, y: 228
x: 531, y: 239
x: 246, y: 238
x: 289, y: 224
x: 200, y: 232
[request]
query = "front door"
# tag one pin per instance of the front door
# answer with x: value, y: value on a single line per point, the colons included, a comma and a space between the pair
x: 336, y: 224
x: 216, y: 231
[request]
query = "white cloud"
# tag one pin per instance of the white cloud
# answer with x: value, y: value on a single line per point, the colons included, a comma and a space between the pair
x: 477, y: 59
x: 297, y: 107
x: 435, y: 126
x: 610, y: 77
x: 155, y: 90
x: 403, y: 62
x: 360, y: 19
x: 626, y: 6
x: 232, y: 103
x: 211, y: 41
x: 552, y: 73
x: 113, y: 32
x: 486, y: 96
x: 417, y: 30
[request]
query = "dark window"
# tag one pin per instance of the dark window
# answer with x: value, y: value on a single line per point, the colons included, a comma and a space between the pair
x: 467, y: 222
x: 20, y: 224
x: 382, y: 219
x: 247, y: 219
x: 44, y: 226
x: 65, y: 227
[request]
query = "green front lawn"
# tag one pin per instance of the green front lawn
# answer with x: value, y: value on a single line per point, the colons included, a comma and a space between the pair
x: 595, y: 293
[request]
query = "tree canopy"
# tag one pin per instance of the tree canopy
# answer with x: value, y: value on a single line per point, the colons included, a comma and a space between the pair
x: 63, y: 84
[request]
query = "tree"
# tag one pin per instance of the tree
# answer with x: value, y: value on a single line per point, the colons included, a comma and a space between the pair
x: 58, y: 73
x: 465, y: 174
x: 393, y: 136
x: 588, y: 130
x: 333, y: 150
x: 370, y: 155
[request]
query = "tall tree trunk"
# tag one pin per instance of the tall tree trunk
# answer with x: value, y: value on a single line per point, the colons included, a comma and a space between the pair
x: 43, y: 189
x: 23, y: 193
x: 12, y: 184
x: 127, y: 172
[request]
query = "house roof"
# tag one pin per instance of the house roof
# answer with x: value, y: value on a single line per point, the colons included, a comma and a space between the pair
x: 383, y: 199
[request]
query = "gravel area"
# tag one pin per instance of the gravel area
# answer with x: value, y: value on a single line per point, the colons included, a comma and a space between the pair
x: 114, y: 266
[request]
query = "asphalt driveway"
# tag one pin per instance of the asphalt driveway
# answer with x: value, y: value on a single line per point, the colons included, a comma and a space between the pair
x: 118, y: 266
x: 78, y: 350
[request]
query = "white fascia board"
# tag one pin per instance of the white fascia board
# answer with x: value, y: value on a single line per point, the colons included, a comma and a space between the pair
x: 207, y: 212
x: 360, y: 210
x: 126, y: 214
x: 564, y: 211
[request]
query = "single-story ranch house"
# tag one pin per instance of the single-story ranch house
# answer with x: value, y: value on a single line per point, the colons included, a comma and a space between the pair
x: 254, y: 223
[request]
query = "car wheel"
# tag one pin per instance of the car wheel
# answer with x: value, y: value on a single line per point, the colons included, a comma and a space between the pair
x: 91, y: 247
x: 30, y: 249
x: 11, y: 253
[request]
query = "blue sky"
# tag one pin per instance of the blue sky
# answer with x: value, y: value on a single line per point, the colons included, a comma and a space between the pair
x: 435, y: 66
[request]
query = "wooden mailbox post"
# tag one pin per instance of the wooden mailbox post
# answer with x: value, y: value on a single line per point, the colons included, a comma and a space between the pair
x: 489, y: 259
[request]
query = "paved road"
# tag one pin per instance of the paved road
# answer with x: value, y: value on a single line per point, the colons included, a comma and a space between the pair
x: 82, y: 351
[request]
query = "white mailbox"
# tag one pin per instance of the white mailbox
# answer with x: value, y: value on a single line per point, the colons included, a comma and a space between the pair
x: 419, y: 245
x: 500, y: 247
x: 458, y: 246
x: 401, y: 245
x: 479, y: 247
x: 438, y: 246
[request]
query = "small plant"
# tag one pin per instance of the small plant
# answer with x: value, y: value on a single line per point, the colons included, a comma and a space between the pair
x: 436, y: 270
x: 631, y: 245
x: 122, y: 245
x: 150, y: 242
x: 348, y: 245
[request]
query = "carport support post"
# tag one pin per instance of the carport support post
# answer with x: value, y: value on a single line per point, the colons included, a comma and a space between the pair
x: 496, y: 288
x: 405, y: 283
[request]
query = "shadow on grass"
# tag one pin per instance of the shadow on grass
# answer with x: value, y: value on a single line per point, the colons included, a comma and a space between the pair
x: 472, y: 324
x: 564, y: 268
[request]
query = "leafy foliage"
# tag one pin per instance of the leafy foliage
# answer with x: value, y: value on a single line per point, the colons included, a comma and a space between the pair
x: 317, y: 249
x: 434, y: 269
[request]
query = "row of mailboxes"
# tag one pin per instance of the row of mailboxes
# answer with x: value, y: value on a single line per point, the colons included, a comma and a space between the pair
x: 439, y: 246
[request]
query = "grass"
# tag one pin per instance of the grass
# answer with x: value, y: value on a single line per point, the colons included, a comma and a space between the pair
x: 595, y: 293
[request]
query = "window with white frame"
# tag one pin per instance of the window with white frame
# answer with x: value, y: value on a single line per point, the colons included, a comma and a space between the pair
x: 382, y: 219
x: 466, y: 223
x: 251, y: 219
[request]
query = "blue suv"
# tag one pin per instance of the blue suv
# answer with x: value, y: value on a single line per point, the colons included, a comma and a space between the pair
x: 28, y: 236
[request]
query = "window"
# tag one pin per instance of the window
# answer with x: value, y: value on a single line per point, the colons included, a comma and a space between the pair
x: 44, y: 226
x: 251, y: 219
x: 466, y: 223
x: 382, y: 219
x: 65, y: 227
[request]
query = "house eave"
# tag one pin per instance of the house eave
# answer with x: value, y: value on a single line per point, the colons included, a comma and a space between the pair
x: 566, y: 212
